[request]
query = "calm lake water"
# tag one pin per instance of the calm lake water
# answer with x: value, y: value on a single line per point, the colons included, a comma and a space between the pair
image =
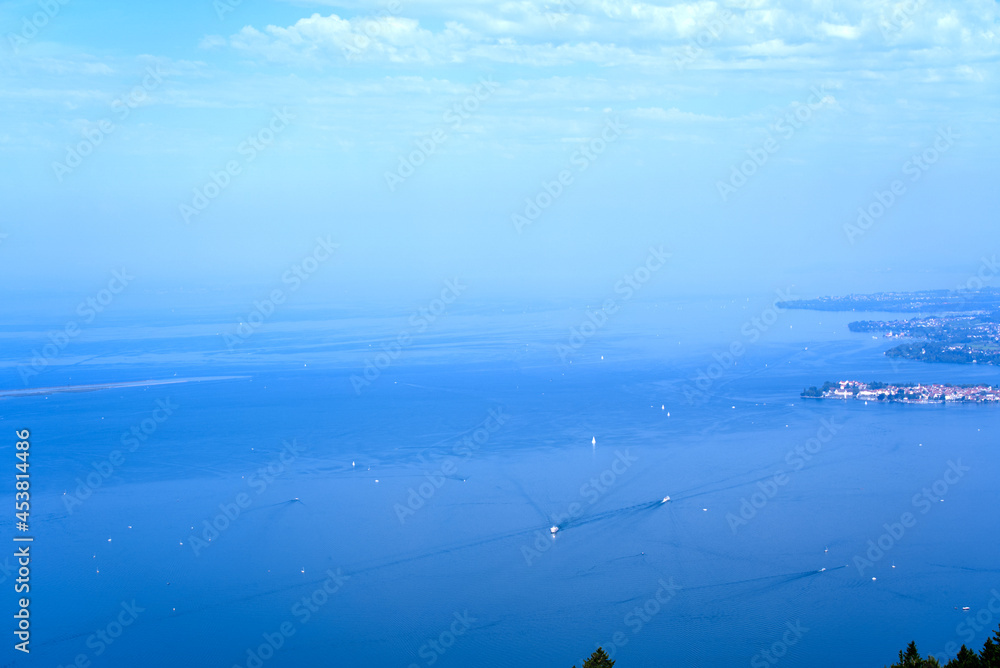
x: 408, y: 523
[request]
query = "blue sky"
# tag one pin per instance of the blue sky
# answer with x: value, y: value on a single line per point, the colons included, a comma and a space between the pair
x: 497, y: 100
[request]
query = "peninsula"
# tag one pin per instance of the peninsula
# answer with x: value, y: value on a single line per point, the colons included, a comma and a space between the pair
x: 957, y: 326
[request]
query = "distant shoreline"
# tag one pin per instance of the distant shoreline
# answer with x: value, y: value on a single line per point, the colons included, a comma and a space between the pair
x: 966, y: 329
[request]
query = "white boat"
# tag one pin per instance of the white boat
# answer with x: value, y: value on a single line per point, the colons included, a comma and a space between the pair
x: 553, y: 530
x: 665, y: 499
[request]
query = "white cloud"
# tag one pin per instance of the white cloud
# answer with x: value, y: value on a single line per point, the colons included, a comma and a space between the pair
x: 323, y: 39
x: 842, y: 31
x: 628, y: 33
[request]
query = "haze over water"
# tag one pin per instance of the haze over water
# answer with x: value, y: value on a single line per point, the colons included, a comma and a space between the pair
x: 479, y: 544
x: 442, y: 332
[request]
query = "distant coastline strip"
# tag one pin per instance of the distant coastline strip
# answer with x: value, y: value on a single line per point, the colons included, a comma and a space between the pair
x: 110, y: 386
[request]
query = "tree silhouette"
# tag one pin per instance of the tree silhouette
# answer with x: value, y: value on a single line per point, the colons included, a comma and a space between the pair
x: 990, y: 656
x: 598, y: 659
x: 966, y: 659
x: 912, y: 659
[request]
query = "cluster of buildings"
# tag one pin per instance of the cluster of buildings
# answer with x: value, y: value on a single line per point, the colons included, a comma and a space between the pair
x: 960, y: 326
x: 913, y: 394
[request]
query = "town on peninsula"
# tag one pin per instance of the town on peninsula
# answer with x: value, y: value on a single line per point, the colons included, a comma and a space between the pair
x: 906, y: 393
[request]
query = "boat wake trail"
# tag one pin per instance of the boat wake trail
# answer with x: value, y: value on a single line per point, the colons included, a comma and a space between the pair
x: 609, y: 514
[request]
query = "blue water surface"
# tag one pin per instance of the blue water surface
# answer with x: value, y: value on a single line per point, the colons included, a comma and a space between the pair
x: 404, y: 519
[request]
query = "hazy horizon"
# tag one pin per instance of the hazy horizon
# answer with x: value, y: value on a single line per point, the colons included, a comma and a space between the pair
x: 445, y: 333
x: 698, y: 89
